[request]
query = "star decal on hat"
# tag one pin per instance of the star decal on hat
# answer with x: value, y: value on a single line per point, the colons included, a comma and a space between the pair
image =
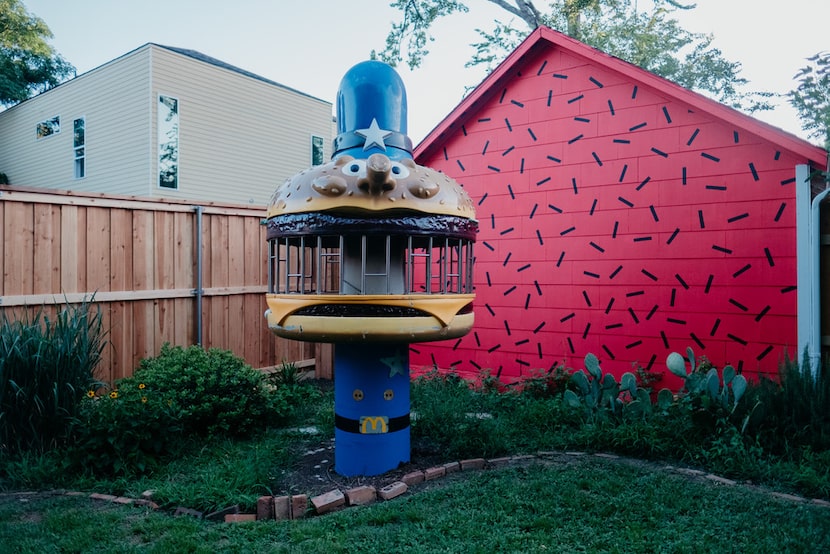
x: 374, y: 135
x: 397, y: 364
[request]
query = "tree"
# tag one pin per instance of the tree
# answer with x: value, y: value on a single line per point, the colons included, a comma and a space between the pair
x: 28, y: 63
x: 652, y: 39
x: 811, y: 98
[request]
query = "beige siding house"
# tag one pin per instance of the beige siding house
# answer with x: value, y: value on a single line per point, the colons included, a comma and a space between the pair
x: 168, y: 123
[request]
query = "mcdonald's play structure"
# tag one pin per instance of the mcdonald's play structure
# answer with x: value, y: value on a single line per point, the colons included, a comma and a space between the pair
x: 372, y: 252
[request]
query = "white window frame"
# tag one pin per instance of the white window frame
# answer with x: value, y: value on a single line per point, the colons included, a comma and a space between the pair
x: 53, y: 124
x: 79, y: 151
x: 163, y: 140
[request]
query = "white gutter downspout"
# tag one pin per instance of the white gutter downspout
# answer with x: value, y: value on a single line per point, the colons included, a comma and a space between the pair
x: 809, y: 278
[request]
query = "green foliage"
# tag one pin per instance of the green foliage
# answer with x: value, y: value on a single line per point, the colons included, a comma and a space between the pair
x: 28, y: 63
x: 647, y: 37
x: 599, y: 396
x: 46, y: 367
x: 546, y: 383
x: 180, y: 393
x: 811, y: 98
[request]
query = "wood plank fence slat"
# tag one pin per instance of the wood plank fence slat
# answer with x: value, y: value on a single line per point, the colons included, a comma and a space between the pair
x: 138, y: 257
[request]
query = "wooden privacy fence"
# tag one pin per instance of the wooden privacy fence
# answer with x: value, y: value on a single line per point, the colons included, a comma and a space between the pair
x: 166, y: 271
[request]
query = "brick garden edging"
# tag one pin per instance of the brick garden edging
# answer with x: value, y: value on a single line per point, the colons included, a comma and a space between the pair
x: 288, y: 507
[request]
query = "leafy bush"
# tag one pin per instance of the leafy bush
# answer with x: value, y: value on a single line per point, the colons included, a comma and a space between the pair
x: 46, y: 367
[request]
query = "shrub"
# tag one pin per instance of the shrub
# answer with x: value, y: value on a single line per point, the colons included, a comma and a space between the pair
x: 46, y: 367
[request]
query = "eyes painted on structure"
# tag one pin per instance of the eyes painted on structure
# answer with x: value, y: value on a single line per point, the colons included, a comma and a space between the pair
x: 388, y: 394
x: 357, y: 168
x: 357, y: 394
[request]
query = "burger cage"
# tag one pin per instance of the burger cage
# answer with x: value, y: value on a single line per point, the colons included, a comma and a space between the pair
x: 369, y: 263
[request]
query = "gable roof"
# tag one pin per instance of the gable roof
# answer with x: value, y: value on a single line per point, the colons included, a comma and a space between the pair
x: 545, y: 38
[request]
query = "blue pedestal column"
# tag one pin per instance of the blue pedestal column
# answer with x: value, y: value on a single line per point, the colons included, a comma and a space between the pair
x: 371, y: 407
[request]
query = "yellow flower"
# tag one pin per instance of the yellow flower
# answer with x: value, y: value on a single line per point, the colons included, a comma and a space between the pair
x: 141, y: 386
x: 90, y: 394
x: 143, y: 399
x: 114, y: 394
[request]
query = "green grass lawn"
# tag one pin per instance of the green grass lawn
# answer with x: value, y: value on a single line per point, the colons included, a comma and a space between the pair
x: 589, y: 505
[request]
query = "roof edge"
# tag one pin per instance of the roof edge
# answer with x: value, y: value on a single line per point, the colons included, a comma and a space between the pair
x: 545, y: 36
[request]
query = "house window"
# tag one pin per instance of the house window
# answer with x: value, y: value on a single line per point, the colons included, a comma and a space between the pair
x: 78, y: 143
x: 168, y: 140
x: 48, y: 127
x: 316, y: 150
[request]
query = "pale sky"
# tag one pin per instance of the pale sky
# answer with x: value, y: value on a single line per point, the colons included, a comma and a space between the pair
x: 309, y: 44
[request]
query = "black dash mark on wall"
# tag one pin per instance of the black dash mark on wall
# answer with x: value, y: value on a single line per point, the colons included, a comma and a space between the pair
x: 616, y: 228
x: 507, y: 231
x: 483, y: 197
x: 501, y: 98
x: 519, y: 343
x: 780, y: 211
x: 542, y: 68
x: 489, y: 309
x: 585, y: 296
x: 654, y: 213
x: 576, y: 138
x: 493, y: 348
x: 777, y: 155
x: 573, y: 183
x: 457, y: 343
x: 715, y: 328
x: 626, y: 202
x: 681, y: 281
x: 643, y: 183
x: 582, y: 119
x: 651, y: 312
x: 593, y: 207
x: 522, y: 166
x: 633, y: 315
x: 461, y: 165
x: 532, y: 135
x: 492, y: 221
x: 763, y: 312
x: 697, y: 341
x: 709, y: 283
x: 557, y: 160
x: 550, y: 97
x: 510, y: 290
x: 737, y: 339
x: 597, y: 247
x: 716, y: 187
x: 510, y: 190
x: 763, y: 354
x: 721, y: 249
x: 660, y: 152
x: 648, y: 274
x: 651, y: 361
x: 666, y: 114
x: 542, y: 182
x: 683, y: 177
x: 676, y: 321
x: 735, y: 137
x: 638, y: 126
x: 673, y: 235
x: 476, y: 337
x: 488, y: 246
x: 788, y: 181
x: 673, y: 297
x: 665, y: 340
x: 489, y: 282
x: 555, y: 208
x: 633, y: 344
x: 571, y: 346
x: 611, y: 107
x: 622, y: 173
x: 509, y: 150
x: 622, y: 141
x: 517, y: 103
x: 596, y: 159
x: 446, y: 157
x: 533, y: 211
x: 507, y: 327
x: 634, y: 92
x: 768, y: 254
x: 754, y: 171
x: 738, y: 305
x: 506, y: 260
x: 597, y: 83
x: 791, y: 288
x: 693, y: 137
x: 493, y: 168
x: 523, y: 268
x: 585, y: 332
x: 576, y: 99
x: 561, y: 257
x: 566, y: 231
x: 590, y: 274
x: 738, y: 217
x: 464, y: 130
x: 567, y: 317
x: 608, y: 307
x: 615, y: 272
x: 509, y: 126
x: 559, y: 76
x: 539, y: 327
x: 710, y: 157
x: 538, y: 288
x: 700, y: 219
x: 607, y: 351
x: 643, y: 239
x: 484, y: 120
x: 744, y: 269
x: 484, y: 150
x: 539, y: 350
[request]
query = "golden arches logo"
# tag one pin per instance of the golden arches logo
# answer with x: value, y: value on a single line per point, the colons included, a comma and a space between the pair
x: 373, y: 425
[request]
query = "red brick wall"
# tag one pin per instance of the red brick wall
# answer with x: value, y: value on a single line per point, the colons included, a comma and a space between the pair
x: 616, y: 220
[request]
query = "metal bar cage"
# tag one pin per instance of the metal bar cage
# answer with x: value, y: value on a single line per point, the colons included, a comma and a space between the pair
x: 319, y: 265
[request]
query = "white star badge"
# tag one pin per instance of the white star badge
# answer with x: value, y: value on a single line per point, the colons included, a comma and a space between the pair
x: 374, y: 135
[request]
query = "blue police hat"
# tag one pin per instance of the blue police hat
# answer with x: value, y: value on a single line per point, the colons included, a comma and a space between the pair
x: 371, y: 113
